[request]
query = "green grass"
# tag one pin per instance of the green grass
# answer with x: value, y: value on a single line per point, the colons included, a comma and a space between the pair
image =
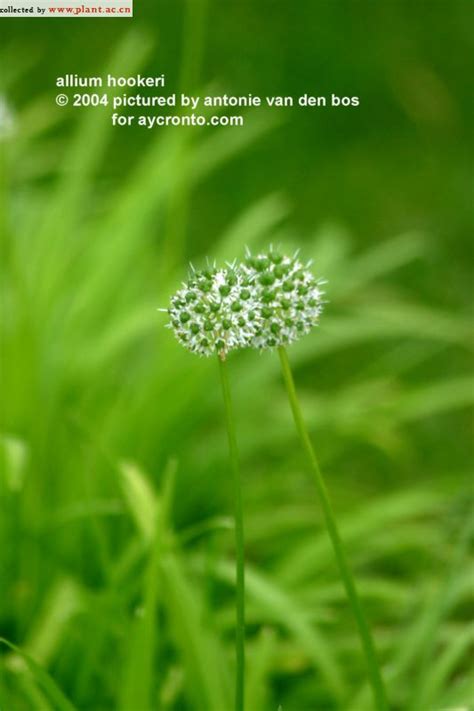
x: 116, y: 547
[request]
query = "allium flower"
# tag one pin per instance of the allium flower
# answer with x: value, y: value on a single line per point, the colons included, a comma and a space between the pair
x: 214, y: 312
x: 288, y: 297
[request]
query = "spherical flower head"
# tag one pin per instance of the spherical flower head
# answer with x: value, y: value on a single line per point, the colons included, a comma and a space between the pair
x: 214, y: 312
x: 288, y: 296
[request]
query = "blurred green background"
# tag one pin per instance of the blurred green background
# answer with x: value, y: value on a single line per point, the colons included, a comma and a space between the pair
x: 116, y: 550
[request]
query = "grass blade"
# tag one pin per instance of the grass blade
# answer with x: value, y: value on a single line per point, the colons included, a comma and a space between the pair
x: 42, y: 677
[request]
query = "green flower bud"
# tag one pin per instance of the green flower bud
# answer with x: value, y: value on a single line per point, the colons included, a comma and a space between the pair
x: 281, y: 271
x: 267, y: 279
x: 268, y: 296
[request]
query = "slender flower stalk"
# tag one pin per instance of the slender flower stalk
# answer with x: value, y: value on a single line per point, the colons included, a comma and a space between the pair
x: 289, y: 302
x: 368, y: 646
x: 239, y: 538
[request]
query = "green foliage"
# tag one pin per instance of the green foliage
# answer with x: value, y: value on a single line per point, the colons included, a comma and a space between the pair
x: 117, y: 573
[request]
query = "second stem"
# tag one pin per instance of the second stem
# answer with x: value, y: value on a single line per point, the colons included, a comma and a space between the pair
x: 368, y: 646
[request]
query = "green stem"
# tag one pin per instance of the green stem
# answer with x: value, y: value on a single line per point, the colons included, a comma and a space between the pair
x: 239, y: 538
x: 368, y: 646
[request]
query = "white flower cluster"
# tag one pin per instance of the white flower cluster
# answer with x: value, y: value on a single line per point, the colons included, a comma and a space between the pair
x: 270, y: 300
x: 214, y: 312
x: 288, y: 295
